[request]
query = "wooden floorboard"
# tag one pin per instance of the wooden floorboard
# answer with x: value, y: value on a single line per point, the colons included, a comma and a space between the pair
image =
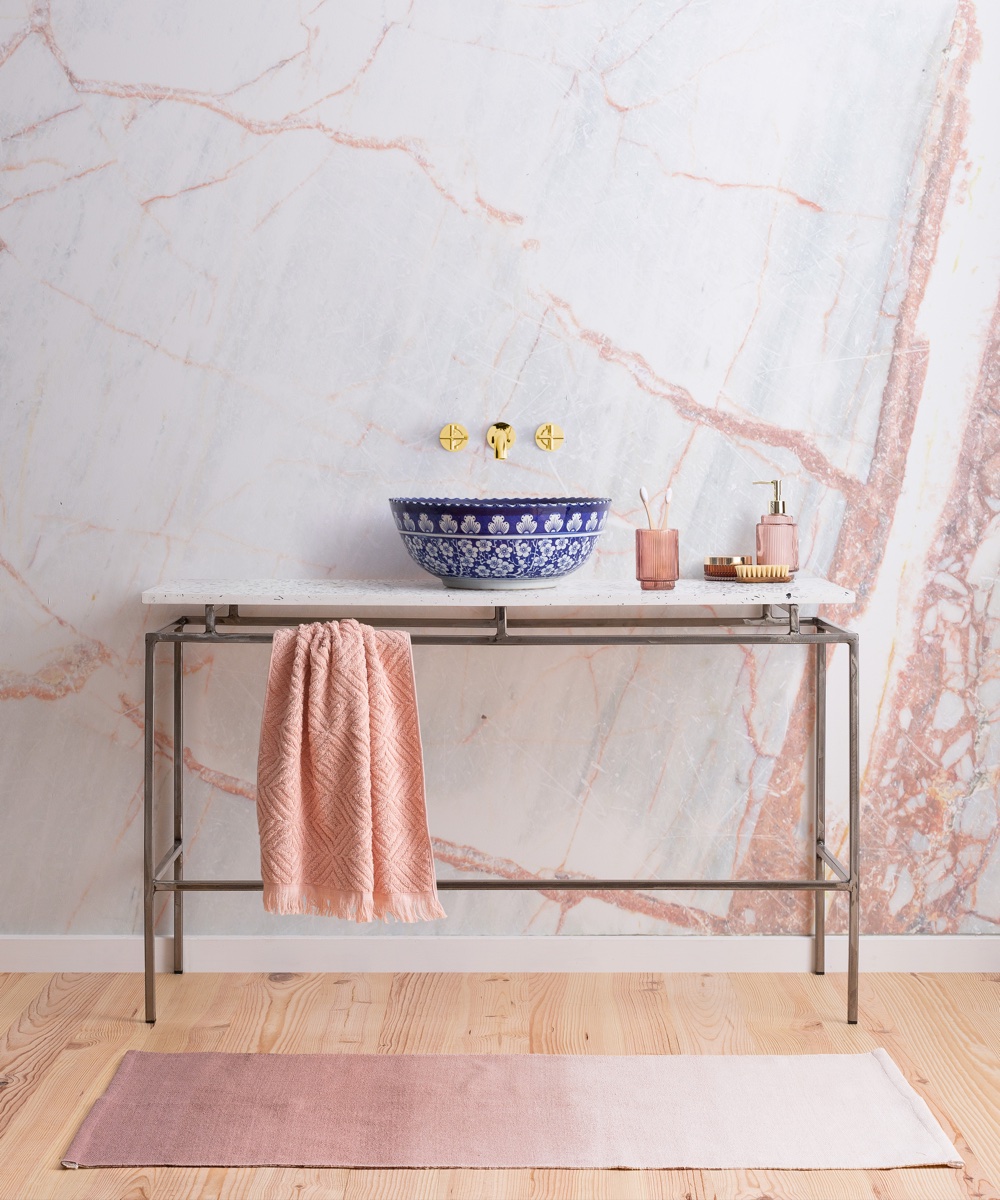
x: 62, y: 1036
x: 16, y: 993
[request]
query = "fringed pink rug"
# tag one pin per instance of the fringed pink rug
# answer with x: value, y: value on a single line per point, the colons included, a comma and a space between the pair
x: 509, y: 1110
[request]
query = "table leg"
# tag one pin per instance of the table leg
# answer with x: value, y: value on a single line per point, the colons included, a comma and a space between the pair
x: 147, y: 833
x: 178, y: 773
x: 854, y: 822
x: 819, y: 815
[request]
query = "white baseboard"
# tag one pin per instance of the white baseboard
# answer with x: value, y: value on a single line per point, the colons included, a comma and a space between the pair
x: 916, y: 952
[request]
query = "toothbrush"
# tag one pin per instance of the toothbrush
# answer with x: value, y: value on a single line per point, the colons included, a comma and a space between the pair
x: 644, y: 497
x: 665, y: 520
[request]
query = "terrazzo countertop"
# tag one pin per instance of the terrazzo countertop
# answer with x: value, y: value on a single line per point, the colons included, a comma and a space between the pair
x: 372, y: 593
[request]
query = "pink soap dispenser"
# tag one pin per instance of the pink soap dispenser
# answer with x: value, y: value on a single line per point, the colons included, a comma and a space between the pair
x: 777, y: 533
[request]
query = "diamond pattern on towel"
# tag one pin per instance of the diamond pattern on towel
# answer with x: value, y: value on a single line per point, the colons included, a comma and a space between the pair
x: 340, y: 777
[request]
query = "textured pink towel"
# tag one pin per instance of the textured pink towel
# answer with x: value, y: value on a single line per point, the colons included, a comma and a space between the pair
x: 340, y: 777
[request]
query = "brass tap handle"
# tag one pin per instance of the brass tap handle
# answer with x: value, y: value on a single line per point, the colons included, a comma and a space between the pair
x: 453, y: 436
x: 549, y: 436
x: 500, y: 438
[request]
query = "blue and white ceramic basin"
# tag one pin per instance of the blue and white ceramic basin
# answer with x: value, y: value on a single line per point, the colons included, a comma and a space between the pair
x: 505, y: 543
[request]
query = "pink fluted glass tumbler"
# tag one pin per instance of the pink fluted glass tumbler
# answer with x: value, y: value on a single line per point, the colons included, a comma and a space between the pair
x: 656, y: 559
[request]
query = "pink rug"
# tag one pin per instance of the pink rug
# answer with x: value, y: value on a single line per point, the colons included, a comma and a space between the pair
x: 510, y: 1110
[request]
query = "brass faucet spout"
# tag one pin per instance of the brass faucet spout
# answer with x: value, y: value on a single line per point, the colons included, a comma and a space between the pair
x: 500, y: 438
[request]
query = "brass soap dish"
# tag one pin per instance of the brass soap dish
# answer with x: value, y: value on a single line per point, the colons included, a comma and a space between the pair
x: 725, y: 567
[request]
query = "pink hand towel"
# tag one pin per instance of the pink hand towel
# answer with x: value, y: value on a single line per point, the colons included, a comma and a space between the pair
x: 340, y: 777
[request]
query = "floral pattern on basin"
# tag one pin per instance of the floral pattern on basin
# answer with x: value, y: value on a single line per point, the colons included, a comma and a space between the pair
x: 506, y: 543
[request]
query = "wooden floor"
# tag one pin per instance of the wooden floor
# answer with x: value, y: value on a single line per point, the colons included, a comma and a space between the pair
x: 63, y: 1036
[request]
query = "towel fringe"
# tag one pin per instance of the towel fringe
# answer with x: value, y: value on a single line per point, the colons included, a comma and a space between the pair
x: 406, y: 907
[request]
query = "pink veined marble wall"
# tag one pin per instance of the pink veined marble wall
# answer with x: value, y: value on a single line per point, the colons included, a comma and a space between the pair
x: 252, y: 257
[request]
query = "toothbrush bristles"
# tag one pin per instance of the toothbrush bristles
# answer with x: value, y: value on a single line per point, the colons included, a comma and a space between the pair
x: 665, y: 520
x: 644, y: 497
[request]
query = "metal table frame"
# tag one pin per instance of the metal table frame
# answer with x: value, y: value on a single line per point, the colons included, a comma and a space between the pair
x: 166, y: 874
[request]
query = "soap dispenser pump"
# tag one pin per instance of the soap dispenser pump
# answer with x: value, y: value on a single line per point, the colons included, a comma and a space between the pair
x: 777, y: 532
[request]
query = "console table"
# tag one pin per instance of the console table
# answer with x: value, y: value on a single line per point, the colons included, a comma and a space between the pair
x: 619, y: 613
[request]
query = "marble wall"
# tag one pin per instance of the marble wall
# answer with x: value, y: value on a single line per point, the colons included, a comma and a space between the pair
x: 253, y: 257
